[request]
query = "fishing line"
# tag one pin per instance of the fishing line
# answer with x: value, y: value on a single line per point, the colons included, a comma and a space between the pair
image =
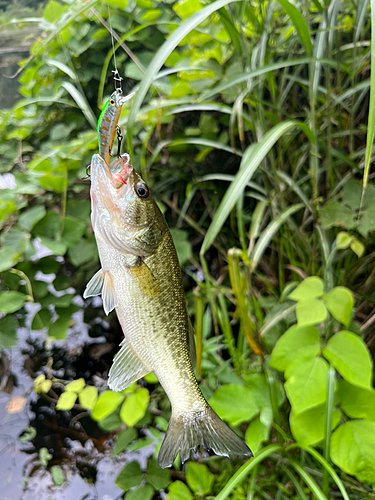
x: 116, y: 76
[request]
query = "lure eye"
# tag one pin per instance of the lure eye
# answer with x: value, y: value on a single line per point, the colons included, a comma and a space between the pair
x: 112, y: 102
x: 142, y: 190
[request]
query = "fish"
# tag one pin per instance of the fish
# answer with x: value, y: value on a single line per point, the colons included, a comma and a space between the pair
x: 107, y: 123
x: 140, y: 278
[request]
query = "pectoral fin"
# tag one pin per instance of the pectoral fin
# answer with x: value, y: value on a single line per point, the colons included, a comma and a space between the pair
x: 145, y: 279
x: 108, y: 294
x: 95, y: 286
x: 126, y: 369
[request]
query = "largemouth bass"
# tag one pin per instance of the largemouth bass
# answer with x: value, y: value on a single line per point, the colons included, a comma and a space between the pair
x: 141, y: 279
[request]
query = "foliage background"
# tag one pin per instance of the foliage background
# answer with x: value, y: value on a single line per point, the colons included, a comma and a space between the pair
x: 250, y: 125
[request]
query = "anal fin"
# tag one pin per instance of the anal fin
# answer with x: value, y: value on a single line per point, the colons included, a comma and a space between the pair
x: 126, y: 369
x: 108, y: 294
x: 95, y: 286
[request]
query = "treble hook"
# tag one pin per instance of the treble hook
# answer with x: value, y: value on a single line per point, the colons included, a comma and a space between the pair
x: 87, y: 173
x: 117, y: 79
x: 119, y: 142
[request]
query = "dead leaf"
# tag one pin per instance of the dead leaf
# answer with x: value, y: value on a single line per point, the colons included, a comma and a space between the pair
x: 15, y: 405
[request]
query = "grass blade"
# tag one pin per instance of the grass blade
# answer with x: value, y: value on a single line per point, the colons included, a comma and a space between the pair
x: 245, y: 470
x: 329, y: 410
x: 252, y: 158
x: 314, y: 488
x: 81, y: 102
x: 162, y: 54
x: 299, y: 23
x: 268, y: 234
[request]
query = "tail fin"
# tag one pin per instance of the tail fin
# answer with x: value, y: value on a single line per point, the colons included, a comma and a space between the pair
x: 188, y: 431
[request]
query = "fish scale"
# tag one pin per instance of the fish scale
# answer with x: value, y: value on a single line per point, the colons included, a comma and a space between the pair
x: 141, y: 279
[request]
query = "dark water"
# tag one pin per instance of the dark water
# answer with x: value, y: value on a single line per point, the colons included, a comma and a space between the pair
x: 80, y: 448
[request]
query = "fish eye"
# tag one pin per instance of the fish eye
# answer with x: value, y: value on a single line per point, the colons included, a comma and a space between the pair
x: 142, y: 190
x: 112, y: 102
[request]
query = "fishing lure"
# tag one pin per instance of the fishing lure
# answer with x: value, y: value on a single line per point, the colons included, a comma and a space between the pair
x: 108, y: 127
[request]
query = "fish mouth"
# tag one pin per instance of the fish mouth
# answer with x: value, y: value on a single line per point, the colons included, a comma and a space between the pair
x: 116, y: 174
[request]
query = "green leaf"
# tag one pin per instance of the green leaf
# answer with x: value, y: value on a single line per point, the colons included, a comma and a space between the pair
x: 310, y: 288
x: 299, y: 23
x: 339, y: 302
x: 107, y: 403
x: 335, y: 213
x: 179, y: 491
x: 358, y: 247
x: 234, y: 403
x: 82, y: 253
x: 58, y: 476
x: 145, y: 492
x: 251, y: 160
x: 49, y: 226
x: 182, y: 244
x: 307, y: 384
x: 58, y: 247
x: 81, y: 101
x: 53, y: 11
x: 134, y: 407
x: 11, y: 302
x: 130, y: 476
x: 308, y: 427
x: 44, y: 456
x: 356, y: 402
x: 76, y: 385
x: 157, y: 477
x: 343, y: 240
x: 59, y: 328
x: 29, y: 218
x: 256, y: 434
x: 353, y: 449
x: 310, y: 312
x: 298, y: 344
x: 351, y: 358
x: 8, y: 332
x: 88, y: 396
x: 123, y: 440
x: 73, y: 231
x: 8, y: 258
x: 66, y: 401
x: 199, y: 478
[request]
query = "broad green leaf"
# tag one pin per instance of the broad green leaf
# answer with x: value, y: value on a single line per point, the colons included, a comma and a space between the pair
x: 49, y: 226
x: 199, y: 478
x: 59, y: 328
x: 351, y: 358
x: 145, y: 492
x: 186, y: 8
x: 358, y: 247
x: 107, y: 403
x: 308, y: 427
x: 8, y: 332
x: 130, y: 476
x: 8, y: 258
x: 112, y: 422
x: 83, y: 252
x: 76, y: 385
x: 356, y: 402
x: 134, y: 407
x: 182, y: 244
x: 29, y: 218
x: 157, y: 477
x: 353, y: 449
x: 310, y: 288
x: 66, y: 401
x: 256, y: 434
x: 11, y: 302
x: 299, y: 23
x: 234, y: 403
x: 73, y: 231
x: 42, y: 385
x: 53, y: 11
x: 179, y: 491
x: 123, y: 440
x: 343, y: 240
x: 88, y: 396
x: 307, y: 384
x: 335, y: 213
x: 58, y: 247
x: 298, y: 344
x: 339, y: 302
x: 58, y: 475
x: 310, y: 312
x: 251, y: 160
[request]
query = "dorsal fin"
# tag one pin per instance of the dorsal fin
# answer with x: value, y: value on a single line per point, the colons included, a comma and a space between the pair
x: 126, y: 369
